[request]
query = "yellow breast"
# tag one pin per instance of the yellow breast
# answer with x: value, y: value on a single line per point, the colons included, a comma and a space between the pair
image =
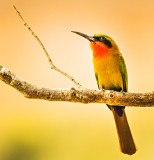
x: 108, y: 72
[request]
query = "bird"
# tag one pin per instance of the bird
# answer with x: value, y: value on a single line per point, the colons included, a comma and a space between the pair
x: 111, y: 74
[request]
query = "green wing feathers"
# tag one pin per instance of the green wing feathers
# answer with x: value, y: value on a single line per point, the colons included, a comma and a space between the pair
x: 124, y: 74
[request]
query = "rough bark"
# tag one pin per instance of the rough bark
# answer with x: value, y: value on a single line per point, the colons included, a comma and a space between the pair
x: 80, y: 95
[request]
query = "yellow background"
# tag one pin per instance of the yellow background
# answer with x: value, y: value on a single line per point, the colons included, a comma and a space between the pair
x: 61, y: 131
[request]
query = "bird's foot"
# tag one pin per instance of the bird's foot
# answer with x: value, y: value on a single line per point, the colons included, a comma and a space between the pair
x: 102, y: 89
x: 123, y: 93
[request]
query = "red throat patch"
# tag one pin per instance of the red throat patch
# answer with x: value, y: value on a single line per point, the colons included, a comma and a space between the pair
x: 100, y: 50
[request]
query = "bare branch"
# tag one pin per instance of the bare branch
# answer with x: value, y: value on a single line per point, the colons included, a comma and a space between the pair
x: 45, y: 51
x: 76, y: 95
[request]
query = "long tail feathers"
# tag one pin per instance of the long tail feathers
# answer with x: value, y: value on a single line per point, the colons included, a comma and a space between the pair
x: 126, y: 141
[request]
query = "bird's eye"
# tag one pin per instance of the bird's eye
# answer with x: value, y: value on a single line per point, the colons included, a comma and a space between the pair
x: 101, y: 38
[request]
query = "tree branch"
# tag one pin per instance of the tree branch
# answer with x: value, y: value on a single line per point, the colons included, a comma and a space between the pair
x: 79, y: 95
x: 45, y: 51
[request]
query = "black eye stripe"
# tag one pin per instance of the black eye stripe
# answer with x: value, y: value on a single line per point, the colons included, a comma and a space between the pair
x: 101, y: 38
x: 104, y: 40
x: 107, y: 42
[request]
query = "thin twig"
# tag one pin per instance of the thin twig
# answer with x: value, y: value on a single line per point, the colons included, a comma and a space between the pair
x: 45, y: 51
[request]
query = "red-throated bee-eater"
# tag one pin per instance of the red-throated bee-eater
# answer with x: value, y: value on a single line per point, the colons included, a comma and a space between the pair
x: 111, y: 74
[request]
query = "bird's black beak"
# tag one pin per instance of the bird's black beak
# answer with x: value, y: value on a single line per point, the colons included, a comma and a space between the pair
x: 85, y: 36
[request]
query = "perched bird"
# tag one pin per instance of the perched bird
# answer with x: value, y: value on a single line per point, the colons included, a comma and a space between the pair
x: 111, y: 74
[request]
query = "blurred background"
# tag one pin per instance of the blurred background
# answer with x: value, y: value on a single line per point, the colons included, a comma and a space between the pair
x: 42, y: 130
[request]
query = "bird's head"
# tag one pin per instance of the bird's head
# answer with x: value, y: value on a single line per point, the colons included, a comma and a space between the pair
x: 101, y: 44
